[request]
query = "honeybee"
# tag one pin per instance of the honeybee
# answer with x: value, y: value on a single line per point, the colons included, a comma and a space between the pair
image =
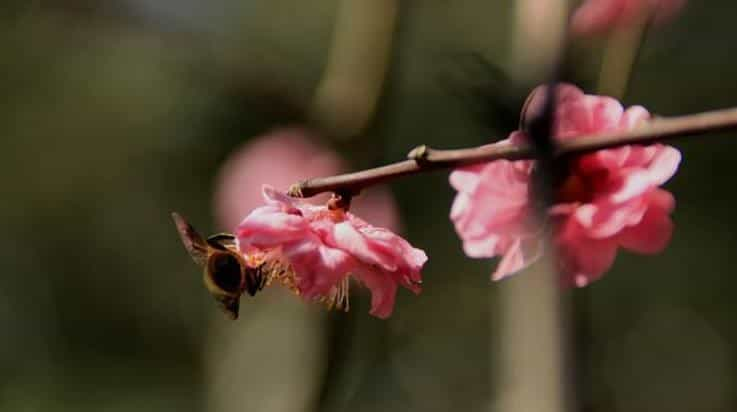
x: 226, y: 274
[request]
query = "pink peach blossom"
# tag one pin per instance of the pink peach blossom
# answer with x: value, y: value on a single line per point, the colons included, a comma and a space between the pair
x: 598, y: 16
x: 609, y: 199
x: 313, y: 250
x: 280, y: 158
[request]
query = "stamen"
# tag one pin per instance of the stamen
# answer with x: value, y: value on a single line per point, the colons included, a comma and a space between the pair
x: 338, y: 296
x: 276, y: 270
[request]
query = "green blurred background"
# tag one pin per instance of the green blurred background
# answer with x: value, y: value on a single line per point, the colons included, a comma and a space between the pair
x: 114, y: 113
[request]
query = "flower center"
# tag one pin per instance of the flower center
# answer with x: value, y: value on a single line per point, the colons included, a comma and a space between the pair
x: 579, y: 188
x: 573, y: 190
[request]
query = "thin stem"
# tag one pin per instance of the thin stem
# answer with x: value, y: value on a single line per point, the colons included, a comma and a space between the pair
x: 620, y: 56
x: 359, y: 58
x: 423, y: 159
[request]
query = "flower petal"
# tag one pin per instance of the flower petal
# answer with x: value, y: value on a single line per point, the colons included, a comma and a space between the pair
x: 317, y: 266
x: 349, y: 239
x: 655, y: 229
x: 631, y: 183
x: 583, y: 259
x: 383, y: 292
x: 664, y: 164
x: 633, y: 117
x: 266, y: 228
x: 520, y: 255
x: 275, y: 197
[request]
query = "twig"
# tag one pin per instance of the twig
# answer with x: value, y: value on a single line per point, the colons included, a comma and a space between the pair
x: 621, y: 54
x: 423, y: 158
x: 348, y: 93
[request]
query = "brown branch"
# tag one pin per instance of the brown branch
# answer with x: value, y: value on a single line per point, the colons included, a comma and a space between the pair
x: 423, y: 158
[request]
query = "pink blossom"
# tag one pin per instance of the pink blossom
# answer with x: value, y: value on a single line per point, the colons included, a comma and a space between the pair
x: 598, y: 16
x: 313, y: 250
x: 609, y: 199
x: 280, y: 158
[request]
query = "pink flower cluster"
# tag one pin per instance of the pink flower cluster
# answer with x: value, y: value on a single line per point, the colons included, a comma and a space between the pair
x: 598, y: 16
x: 314, y: 249
x: 609, y: 199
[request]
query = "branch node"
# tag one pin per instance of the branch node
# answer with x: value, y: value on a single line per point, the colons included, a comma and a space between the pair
x: 295, y: 190
x: 419, y: 154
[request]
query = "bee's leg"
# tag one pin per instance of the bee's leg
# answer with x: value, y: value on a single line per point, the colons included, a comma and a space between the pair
x: 263, y: 277
x: 252, y: 281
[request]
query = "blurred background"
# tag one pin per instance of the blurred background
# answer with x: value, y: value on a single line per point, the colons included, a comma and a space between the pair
x: 115, y: 113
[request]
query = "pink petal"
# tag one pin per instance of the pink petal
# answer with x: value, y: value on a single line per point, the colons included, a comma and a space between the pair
x: 655, y: 230
x: 268, y: 229
x: 573, y: 118
x: 604, y: 219
x: 581, y: 258
x: 318, y: 267
x: 512, y: 261
x: 349, y: 239
x: 465, y: 179
x: 604, y: 160
x: 460, y: 207
x: 408, y: 260
x: 519, y: 256
x: 633, y: 117
x: 584, y: 214
x: 661, y: 199
x: 389, y: 243
x: 536, y: 100
x: 383, y: 292
x: 640, y: 156
x: 481, y: 247
x: 276, y: 197
x: 664, y: 164
x: 607, y: 112
x: 497, y: 205
x: 631, y: 183
x: 563, y: 209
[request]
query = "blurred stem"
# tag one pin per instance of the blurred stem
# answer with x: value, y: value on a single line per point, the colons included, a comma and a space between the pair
x: 533, y: 335
x: 424, y: 159
x: 620, y: 55
x: 537, y: 38
x: 351, y: 85
x: 343, y: 105
x: 531, y: 379
x: 534, y: 341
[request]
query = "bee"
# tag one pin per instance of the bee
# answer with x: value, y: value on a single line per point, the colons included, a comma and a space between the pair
x: 226, y: 274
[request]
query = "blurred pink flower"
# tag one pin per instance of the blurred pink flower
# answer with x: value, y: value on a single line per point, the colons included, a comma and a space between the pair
x: 599, y: 16
x: 609, y: 199
x: 280, y: 158
x: 313, y: 250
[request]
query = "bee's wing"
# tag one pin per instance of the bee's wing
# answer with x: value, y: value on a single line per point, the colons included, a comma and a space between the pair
x: 222, y: 241
x: 192, y: 241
